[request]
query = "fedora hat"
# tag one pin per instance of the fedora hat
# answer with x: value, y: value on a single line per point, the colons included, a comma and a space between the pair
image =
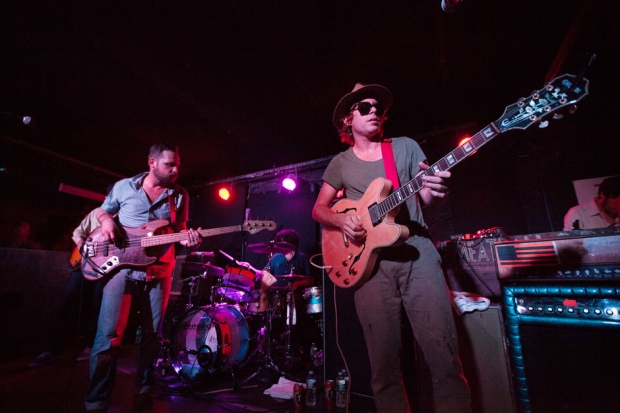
x: 360, y: 92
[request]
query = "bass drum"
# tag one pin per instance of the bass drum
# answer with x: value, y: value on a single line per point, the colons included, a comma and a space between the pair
x: 209, y: 339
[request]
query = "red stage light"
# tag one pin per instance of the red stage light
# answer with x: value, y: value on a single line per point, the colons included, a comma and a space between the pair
x: 224, y: 193
x: 464, y: 141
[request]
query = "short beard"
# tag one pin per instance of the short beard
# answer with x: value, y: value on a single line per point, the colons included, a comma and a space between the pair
x: 166, y: 180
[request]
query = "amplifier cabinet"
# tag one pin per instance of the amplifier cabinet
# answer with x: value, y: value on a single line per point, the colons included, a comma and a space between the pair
x: 563, y: 341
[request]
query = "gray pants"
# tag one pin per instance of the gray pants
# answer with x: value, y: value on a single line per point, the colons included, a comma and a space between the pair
x: 411, y: 276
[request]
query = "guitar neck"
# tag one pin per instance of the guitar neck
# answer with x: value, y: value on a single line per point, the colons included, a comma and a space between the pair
x: 400, y: 195
x: 180, y: 236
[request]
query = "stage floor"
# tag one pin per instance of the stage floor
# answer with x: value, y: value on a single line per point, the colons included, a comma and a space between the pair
x: 61, y: 385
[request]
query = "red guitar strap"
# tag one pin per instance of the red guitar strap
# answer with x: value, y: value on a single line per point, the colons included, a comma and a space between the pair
x: 173, y: 210
x: 388, y: 163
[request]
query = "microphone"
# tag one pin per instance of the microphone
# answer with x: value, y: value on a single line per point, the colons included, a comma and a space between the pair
x: 26, y: 120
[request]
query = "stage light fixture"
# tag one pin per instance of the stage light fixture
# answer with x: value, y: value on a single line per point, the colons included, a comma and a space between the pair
x: 224, y: 193
x: 290, y: 182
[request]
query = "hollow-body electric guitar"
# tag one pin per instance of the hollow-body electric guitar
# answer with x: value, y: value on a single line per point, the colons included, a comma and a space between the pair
x: 143, y: 245
x: 349, y: 262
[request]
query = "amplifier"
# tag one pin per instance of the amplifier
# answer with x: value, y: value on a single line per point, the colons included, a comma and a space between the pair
x: 469, y: 265
x: 587, y: 255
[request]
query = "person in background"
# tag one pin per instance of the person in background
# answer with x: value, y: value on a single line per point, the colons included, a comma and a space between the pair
x: 136, y: 201
x: 21, y: 237
x: 408, y: 275
x: 77, y: 287
x: 600, y: 212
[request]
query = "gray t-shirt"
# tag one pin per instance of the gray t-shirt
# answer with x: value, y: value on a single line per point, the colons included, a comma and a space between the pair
x: 348, y: 171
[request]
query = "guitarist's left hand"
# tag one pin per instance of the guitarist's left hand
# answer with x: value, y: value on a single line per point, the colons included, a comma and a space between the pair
x: 434, y: 186
x: 193, y: 238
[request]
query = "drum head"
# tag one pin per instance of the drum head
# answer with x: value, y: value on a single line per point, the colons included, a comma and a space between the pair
x: 209, y: 339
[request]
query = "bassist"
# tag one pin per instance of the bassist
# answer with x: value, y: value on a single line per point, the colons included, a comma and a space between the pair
x: 138, y: 200
x: 406, y: 274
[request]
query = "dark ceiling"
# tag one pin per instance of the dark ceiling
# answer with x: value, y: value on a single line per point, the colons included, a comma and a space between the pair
x: 244, y: 86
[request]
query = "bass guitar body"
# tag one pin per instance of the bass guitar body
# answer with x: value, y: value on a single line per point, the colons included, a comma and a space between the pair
x: 101, y: 257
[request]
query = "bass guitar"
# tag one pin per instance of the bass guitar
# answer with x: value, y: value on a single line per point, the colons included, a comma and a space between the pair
x: 143, y: 245
x: 349, y: 262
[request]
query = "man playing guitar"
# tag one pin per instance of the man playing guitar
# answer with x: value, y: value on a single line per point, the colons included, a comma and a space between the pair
x: 137, y: 201
x: 407, y: 274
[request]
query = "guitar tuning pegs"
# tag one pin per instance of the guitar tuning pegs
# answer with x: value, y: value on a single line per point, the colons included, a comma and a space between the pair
x: 557, y: 116
x: 535, y: 95
x: 543, y: 124
x: 572, y: 109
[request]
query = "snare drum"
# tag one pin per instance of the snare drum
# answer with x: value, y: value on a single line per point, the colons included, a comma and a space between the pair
x: 209, y: 339
x: 314, y: 300
x: 237, y: 284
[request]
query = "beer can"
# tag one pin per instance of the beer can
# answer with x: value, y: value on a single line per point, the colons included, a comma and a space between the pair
x: 330, y: 393
x: 298, y: 391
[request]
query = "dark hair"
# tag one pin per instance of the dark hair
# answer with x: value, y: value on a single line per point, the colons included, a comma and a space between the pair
x: 288, y: 235
x: 157, y: 149
x: 610, y: 187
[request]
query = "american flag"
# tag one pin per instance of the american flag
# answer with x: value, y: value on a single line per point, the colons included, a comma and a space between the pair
x: 527, y: 255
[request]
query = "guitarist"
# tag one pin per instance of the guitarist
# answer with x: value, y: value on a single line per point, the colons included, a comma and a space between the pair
x: 136, y: 201
x: 72, y: 297
x: 407, y: 275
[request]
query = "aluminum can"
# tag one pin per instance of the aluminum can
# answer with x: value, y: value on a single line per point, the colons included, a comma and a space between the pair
x: 298, y: 393
x: 330, y: 393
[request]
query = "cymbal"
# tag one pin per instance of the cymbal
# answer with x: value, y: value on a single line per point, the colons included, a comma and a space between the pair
x: 290, y: 277
x: 271, y: 247
x: 200, y: 269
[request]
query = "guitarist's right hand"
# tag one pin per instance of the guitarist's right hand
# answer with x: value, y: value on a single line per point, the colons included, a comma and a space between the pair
x: 351, y: 225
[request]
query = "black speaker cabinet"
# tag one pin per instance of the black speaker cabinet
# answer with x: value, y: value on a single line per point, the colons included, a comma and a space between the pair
x: 564, y: 340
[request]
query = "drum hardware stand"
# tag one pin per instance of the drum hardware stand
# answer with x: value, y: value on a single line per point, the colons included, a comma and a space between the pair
x: 269, y: 363
x: 290, y: 309
x: 192, y: 289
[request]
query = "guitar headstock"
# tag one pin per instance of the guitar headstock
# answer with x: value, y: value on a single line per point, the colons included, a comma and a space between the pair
x: 557, y: 94
x: 256, y: 226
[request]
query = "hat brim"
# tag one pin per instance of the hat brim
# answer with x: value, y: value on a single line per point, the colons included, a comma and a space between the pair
x: 378, y: 92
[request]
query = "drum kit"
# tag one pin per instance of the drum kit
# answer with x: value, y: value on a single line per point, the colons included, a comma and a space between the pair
x: 237, y: 326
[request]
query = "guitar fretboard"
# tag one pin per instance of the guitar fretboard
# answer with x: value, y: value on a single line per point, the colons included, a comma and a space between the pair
x: 400, y: 195
x: 180, y: 236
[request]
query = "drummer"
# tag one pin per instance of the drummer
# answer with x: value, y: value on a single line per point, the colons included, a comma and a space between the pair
x: 293, y: 262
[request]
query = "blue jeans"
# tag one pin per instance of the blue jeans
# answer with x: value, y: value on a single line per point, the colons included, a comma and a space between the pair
x: 411, y: 276
x: 118, y: 293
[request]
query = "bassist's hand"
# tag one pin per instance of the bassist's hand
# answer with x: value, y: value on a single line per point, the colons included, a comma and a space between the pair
x: 193, y: 238
x: 109, y: 230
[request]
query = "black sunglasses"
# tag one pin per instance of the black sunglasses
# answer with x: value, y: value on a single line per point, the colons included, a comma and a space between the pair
x: 364, y: 108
